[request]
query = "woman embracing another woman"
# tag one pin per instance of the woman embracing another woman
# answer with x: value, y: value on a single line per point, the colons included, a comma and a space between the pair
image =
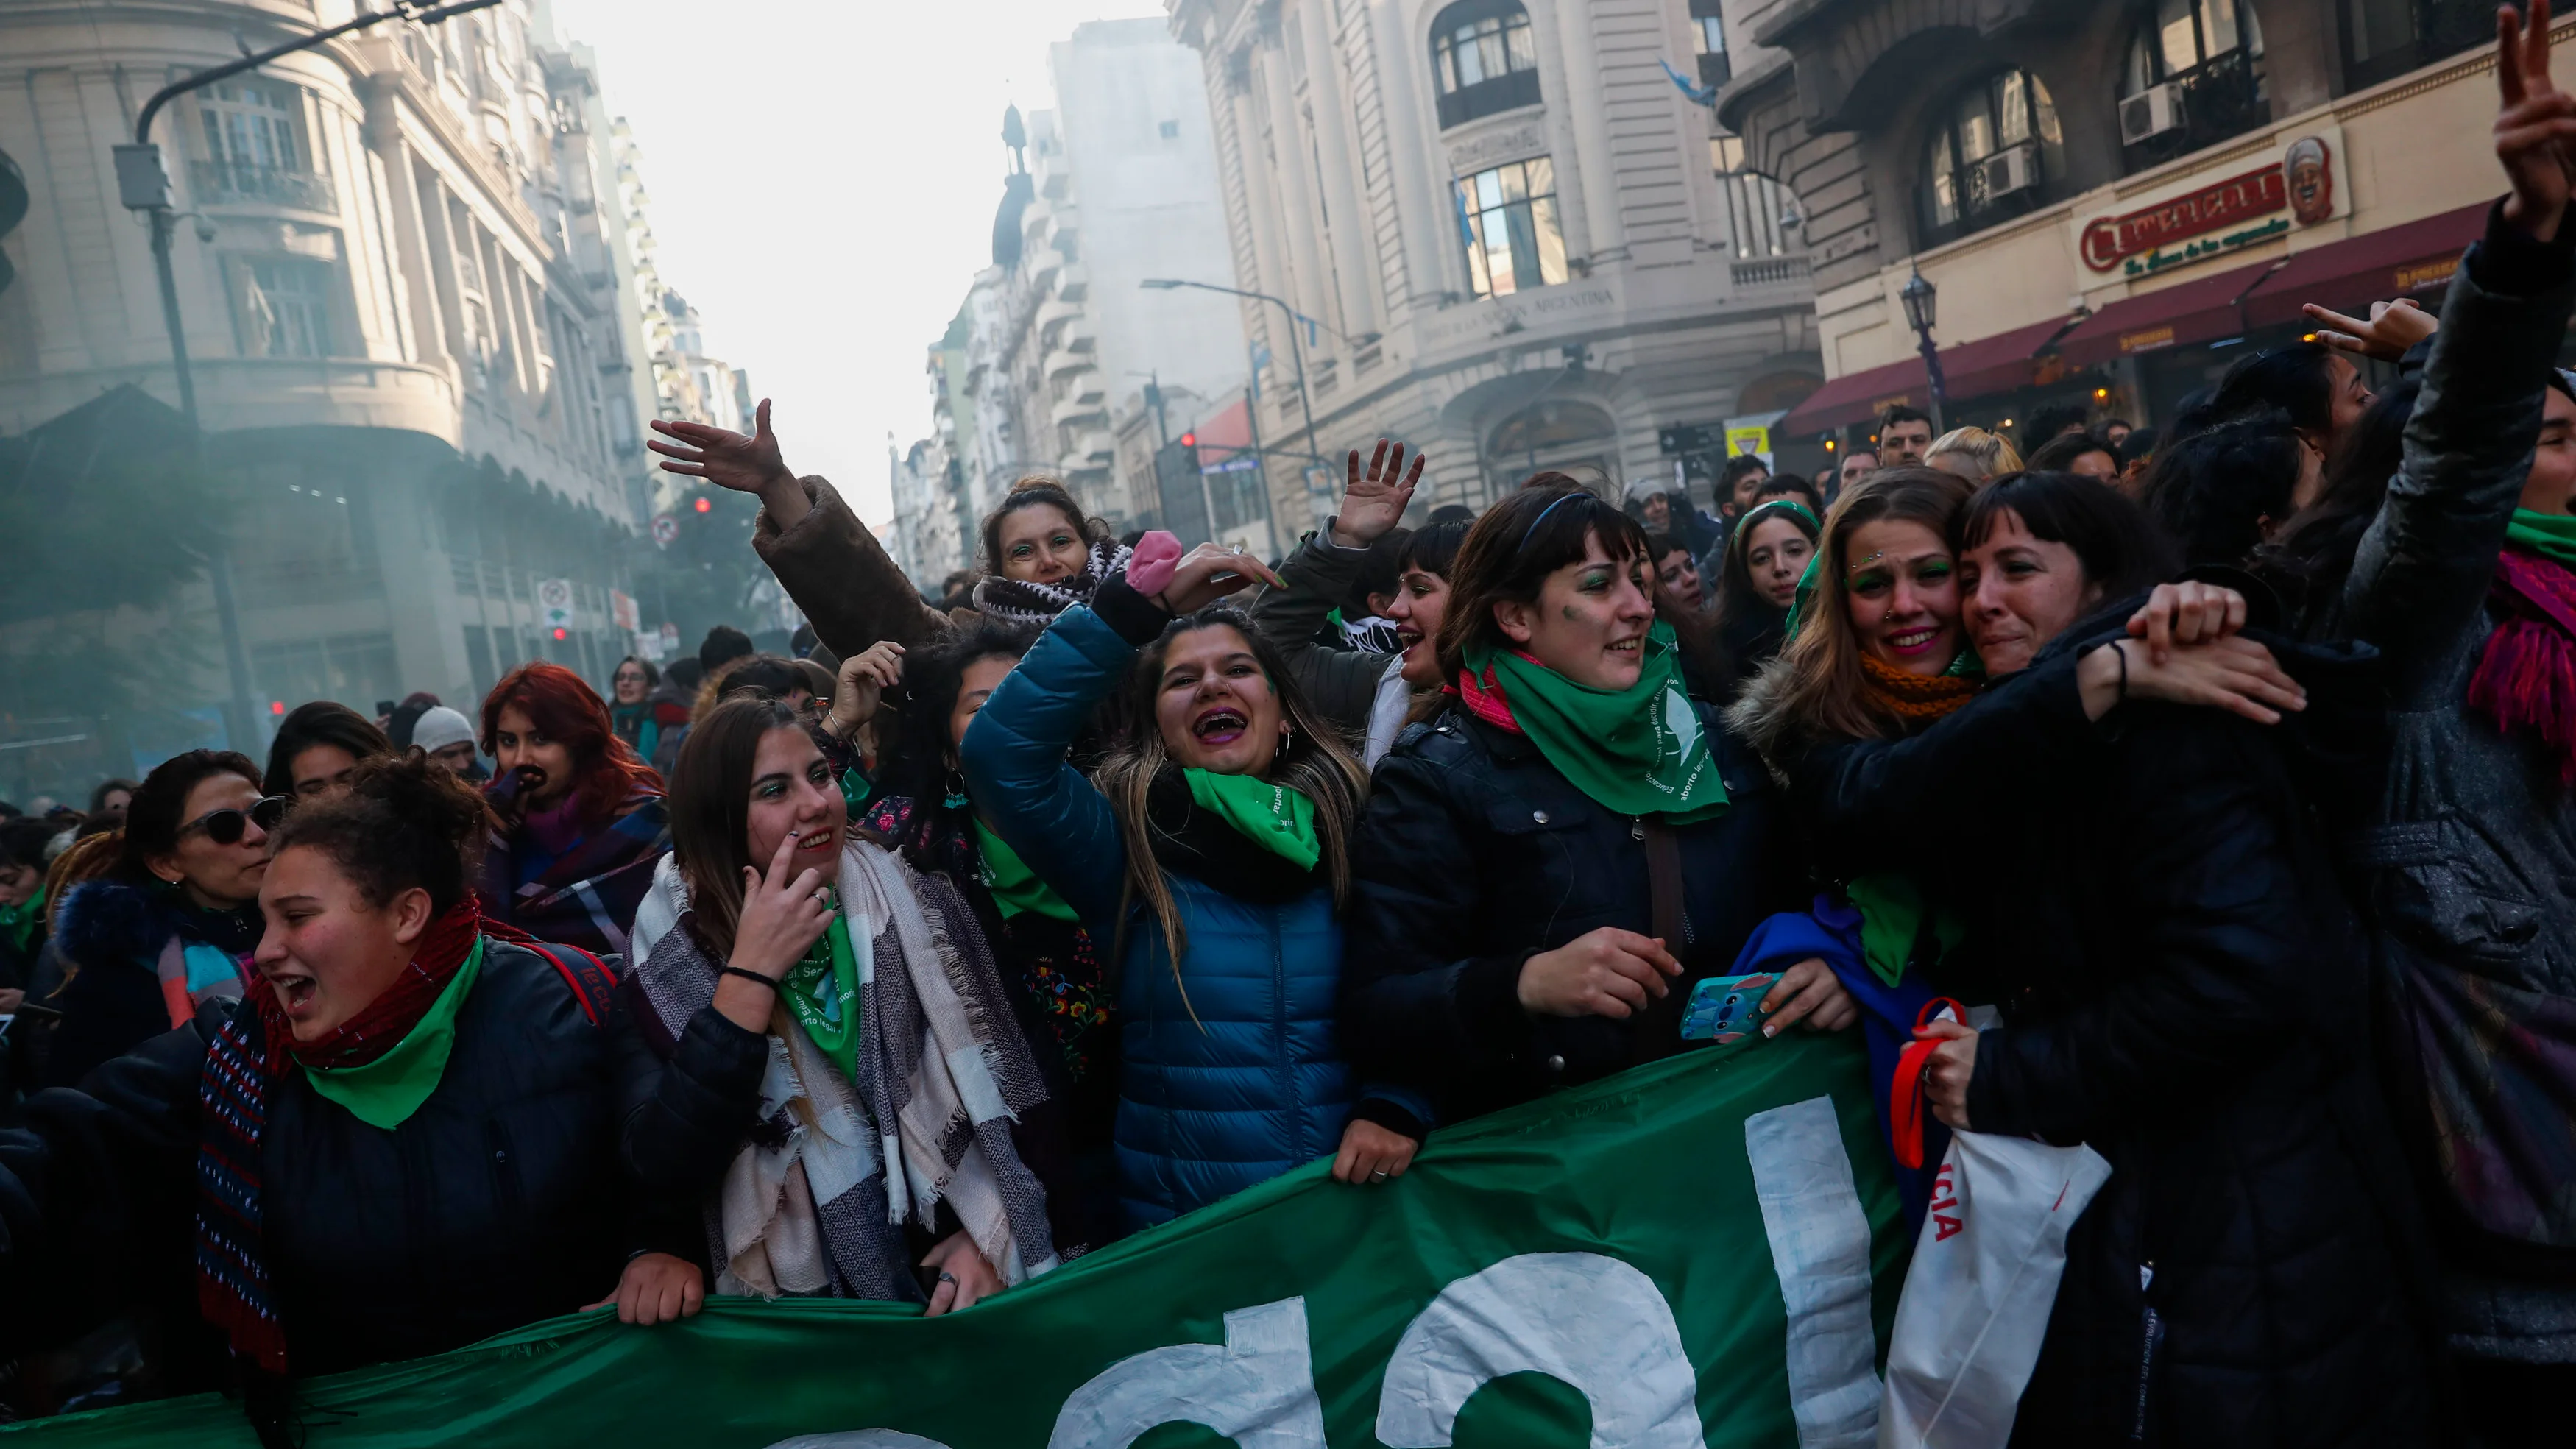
x: 844, y: 1088
x: 1214, y: 851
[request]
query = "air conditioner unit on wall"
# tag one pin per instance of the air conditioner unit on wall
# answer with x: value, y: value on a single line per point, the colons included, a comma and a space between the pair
x: 2150, y: 113
x: 2008, y: 172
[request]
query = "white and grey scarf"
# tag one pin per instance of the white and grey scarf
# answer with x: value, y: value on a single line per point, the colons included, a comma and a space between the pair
x: 810, y: 1204
x: 1025, y: 602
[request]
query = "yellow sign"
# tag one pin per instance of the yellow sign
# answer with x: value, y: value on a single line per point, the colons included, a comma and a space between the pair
x: 1740, y: 441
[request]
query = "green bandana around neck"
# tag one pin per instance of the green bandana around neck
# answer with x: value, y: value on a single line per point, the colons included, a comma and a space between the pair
x: 385, y: 1092
x: 2550, y: 535
x: 822, y: 992
x: 1278, y: 818
x: 1892, y: 913
x: 1636, y: 751
x: 18, y: 923
x: 1016, y: 888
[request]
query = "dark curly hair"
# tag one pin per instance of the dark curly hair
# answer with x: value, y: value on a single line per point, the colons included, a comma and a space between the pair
x: 407, y: 823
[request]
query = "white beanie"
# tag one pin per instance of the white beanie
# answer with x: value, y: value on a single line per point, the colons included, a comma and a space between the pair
x: 438, y: 728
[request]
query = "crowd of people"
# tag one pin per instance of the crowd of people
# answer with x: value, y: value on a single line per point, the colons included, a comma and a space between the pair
x: 2223, y: 770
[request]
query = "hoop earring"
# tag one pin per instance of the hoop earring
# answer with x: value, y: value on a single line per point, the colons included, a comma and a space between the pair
x: 956, y: 790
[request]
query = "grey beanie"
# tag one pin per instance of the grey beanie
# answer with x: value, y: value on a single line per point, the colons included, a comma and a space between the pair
x: 436, y: 729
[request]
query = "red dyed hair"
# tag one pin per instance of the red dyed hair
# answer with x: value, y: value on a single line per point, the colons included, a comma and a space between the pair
x: 568, y: 711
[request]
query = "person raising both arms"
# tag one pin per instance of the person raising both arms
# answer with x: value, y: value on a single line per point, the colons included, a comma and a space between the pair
x: 579, y: 820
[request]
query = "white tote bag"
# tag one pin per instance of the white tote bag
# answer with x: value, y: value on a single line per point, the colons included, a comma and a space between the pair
x: 1978, y: 1295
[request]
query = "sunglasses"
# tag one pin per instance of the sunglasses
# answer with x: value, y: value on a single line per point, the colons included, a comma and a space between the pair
x: 227, y: 827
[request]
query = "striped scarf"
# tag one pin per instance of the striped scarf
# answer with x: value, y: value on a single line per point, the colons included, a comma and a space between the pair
x: 2526, y: 675
x: 1025, y: 601
x: 1918, y: 698
x: 243, y: 1065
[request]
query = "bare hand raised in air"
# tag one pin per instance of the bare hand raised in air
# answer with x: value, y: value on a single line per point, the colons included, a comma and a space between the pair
x: 2535, y: 131
x: 1373, y: 502
x: 1208, y: 573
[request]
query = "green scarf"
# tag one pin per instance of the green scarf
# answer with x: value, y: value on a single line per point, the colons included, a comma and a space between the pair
x: 1891, y: 924
x: 1636, y: 751
x: 1016, y: 888
x: 18, y: 923
x: 822, y: 993
x: 1278, y: 818
x: 385, y: 1092
x: 2550, y: 535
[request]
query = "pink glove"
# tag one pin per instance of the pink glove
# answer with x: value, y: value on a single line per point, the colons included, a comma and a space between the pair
x: 1150, y: 569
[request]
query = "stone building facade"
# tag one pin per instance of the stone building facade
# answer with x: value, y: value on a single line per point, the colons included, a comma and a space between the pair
x: 1506, y: 221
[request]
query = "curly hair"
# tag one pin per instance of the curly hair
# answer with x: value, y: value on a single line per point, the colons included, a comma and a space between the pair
x: 407, y: 823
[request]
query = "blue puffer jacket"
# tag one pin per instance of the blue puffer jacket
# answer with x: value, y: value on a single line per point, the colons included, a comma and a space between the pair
x: 1255, y: 1084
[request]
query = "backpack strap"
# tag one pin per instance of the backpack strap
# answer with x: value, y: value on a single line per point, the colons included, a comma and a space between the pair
x: 591, y: 980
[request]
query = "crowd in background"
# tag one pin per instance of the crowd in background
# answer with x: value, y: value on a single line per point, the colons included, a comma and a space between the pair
x: 2222, y: 771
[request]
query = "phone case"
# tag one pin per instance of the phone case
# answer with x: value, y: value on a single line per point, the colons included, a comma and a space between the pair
x: 1723, y: 1009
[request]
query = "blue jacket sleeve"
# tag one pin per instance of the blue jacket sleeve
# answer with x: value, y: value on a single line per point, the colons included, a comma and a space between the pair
x: 1014, y: 759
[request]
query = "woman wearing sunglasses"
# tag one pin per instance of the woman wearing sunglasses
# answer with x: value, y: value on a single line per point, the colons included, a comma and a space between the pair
x: 175, y: 922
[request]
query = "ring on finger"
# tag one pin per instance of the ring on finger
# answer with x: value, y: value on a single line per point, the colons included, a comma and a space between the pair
x: 947, y: 1277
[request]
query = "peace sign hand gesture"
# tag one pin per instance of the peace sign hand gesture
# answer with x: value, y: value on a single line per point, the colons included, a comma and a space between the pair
x: 2535, y: 132
x: 1374, y: 502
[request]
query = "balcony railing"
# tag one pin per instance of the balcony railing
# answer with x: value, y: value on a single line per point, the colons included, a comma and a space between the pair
x: 2221, y: 99
x: 1771, y: 272
x: 224, y: 182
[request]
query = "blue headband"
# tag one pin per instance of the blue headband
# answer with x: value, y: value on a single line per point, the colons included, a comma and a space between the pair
x: 1544, y: 512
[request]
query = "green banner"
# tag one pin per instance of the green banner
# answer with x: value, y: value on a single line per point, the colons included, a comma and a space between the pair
x: 1704, y: 1251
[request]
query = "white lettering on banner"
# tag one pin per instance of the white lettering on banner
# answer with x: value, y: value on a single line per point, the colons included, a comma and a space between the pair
x: 1592, y: 1322
x: 1819, y: 1236
x: 1258, y: 1390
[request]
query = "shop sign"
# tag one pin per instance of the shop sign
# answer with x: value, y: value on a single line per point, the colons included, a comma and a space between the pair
x: 2135, y: 242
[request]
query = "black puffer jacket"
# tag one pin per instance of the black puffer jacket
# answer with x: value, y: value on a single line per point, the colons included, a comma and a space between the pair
x: 2184, y: 989
x: 498, y: 1203
x: 1476, y: 854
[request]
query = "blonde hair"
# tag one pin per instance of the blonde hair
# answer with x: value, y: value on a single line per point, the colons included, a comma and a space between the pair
x: 1313, y: 761
x: 1990, y: 456
x: 1816, y: 688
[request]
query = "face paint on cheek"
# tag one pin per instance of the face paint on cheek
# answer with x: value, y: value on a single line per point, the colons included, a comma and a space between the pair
x: 1568, y: 611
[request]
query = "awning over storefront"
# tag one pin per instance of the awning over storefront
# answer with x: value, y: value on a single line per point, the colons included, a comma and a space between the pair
x: 1968, y: 369
x: 2200, y: 311
x: 2410, y: 260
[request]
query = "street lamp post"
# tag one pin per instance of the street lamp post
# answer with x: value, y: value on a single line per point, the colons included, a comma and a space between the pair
x: 1921, y: 299
x: 143, y: 184
x: 1296, y: 352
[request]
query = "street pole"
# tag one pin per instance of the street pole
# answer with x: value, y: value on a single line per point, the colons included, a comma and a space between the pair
x: 1297, y: 354
x: 1940, y: 392
x: 144, y: 185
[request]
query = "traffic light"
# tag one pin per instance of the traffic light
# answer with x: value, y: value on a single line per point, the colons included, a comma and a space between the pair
x: 1189, y: 440
x: 706, y: 505
x: 562, y: 634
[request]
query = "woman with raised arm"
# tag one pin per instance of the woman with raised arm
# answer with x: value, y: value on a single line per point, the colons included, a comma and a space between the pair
x: 1041, y: 552
x: 1547, y: 867
x: 402, y: 1139
x: 816, y: 1003
x: 1213, y: 848
x: 2150, y: 903
x: 1369, y: 694
x: 2466, y: 581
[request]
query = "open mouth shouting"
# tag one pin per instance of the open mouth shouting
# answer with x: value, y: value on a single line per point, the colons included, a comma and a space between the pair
x: 295, y: 991
x: 1219, y: 725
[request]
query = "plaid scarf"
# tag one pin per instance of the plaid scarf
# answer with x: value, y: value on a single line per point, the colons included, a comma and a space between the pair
x: 2526, y: 676
x: 588, y: 896
x: 1918, y: 698
x: 1024, y: 601
x: 242, y: 1065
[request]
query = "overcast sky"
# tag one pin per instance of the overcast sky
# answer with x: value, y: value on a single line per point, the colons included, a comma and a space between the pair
x: 823, y: 178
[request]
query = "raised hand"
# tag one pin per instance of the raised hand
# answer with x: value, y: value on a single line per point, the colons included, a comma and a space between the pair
x: 863, y: 682
x: 2392, y: 329
x: 2535, y: 131
x: 1208, y: 573
x: 1374, y: 502
x: 727, y: 459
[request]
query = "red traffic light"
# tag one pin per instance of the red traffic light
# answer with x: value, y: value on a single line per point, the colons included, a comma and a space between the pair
x: 705, y: 506
x: 277, y: 706
x: 1189, y: 440
x: 563, y: 634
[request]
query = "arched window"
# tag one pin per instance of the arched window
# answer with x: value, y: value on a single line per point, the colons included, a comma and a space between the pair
x: 1994, y: 151
x: 1484, y: 58
x: 2193, y: 77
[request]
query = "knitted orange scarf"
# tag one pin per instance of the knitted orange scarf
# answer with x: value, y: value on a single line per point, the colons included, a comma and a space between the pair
x: 1919, y: 698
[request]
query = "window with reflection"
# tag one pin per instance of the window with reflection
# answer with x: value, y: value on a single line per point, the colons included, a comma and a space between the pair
x: 1708, y: 35
x: 1507, y: 215
x: 2192, y: 77
x: 2383, y: 39
x: 1484, y: 59
x: 1995, y: 150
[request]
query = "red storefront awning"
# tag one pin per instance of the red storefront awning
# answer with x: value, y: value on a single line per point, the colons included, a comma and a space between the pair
x: 2174, y: 317
x: 1968, y: 369
x: 2414, y: 259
